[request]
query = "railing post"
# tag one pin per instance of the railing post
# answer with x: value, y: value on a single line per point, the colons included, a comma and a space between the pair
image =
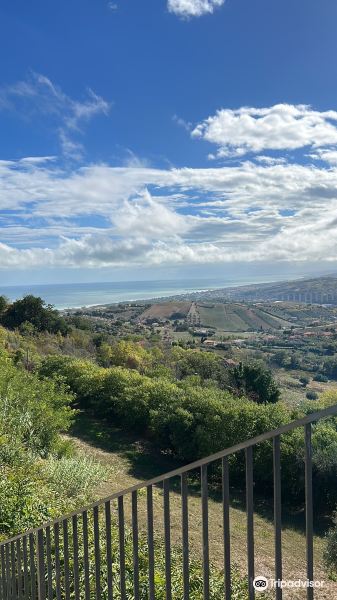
x: 150, y: 541
x: 97, y: 555
x: 167, y: 533
x: 3, y: 573
x: 121, y: 532
x: 41, y: 583
x: 250, y: 521
x: 277, y: 513
x: 226, y: 528
x: 205, y: 540
x: 135, y: 544
x: 309, y: 510
x: 185, y: 536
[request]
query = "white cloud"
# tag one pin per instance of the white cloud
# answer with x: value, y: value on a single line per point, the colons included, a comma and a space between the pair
x: 101, y: 216
x: 193, y: 8
x: 279, y: 127
x: 39, y: 97
x: 328, y: 155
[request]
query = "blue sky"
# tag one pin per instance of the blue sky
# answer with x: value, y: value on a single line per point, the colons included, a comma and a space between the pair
x: 167, y: 138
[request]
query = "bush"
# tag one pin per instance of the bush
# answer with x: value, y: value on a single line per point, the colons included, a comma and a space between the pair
x: 73, y: 477
x: 321, y: 378
x: 191, y: 421
x: 311, y: 395
x: 255, y: 381
x: 330, y: 553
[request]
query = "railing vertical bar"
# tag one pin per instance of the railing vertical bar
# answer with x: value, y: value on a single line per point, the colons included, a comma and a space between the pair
x: 167, y: 533
x: 97, y: 555
x: 205, y: 535
x: 57, y: 561
x: 150, y: 542
x: 25, y: 568
x: 3, y: 572
x: 32, y: 566
x: 13, y: 572
x: 226, y: 528
x: 49, y: 564
x: 250, y: 520
x: 86, y: 555
x: 185, y: 536
x: 309, y: 510
x: 41, y: 581
x: 121, y: 530
x: 134, y: 502
x: 66, y: 559
x: 277, y: 513
x: 8, y: 574
x: 75, y: 558
x: 19, y: 568
x: 108, y: 548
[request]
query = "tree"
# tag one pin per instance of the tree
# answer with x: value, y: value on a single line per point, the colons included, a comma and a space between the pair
x: 32, y: 309
x: 3, y: 304
x: 255, y: 381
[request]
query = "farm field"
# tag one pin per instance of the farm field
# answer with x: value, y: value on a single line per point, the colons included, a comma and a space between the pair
x: 238, y: 317
x: 166, y: 310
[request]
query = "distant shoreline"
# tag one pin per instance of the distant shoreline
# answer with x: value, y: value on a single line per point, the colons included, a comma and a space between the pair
x: 81, y: 296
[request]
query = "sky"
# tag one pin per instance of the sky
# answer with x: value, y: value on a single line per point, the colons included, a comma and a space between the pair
x: 167, y: 139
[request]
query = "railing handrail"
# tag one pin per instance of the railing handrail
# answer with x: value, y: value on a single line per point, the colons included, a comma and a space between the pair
x: 315, y: 416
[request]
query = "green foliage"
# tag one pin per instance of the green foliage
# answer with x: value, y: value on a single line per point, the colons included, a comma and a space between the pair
x: 311, y: 395
x: 191, y: 420
x: 254, y: 380
x: 193, y: 362
x: 3, y: 304
x: 330, y: 553
x: 73, y: 477
x: 32, y: 413
x: 321, y: 378
x: 34, y: 311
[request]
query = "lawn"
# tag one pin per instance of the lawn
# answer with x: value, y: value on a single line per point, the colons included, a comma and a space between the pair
x: 131, y: 460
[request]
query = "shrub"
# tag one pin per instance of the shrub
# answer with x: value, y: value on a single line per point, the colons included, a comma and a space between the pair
x: 255, y: 381
x: 311, y: 395
x: 320, y: 377
x: 330, y: 552
x: 73, y: 477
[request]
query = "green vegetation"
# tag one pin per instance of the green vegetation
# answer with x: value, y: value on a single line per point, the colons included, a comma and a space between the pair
x: 31, y: 312
x: 185, y: 401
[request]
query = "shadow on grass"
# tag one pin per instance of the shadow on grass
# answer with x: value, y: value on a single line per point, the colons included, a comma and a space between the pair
x: 145, y: 462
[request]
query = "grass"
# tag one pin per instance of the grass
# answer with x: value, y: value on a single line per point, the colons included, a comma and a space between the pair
x: 237, y: 317
x: 132, y: 460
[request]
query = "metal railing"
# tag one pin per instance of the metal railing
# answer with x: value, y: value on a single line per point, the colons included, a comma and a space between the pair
x: 72, y: 557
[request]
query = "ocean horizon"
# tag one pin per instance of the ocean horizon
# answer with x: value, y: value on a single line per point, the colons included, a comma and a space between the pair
x: 79, y: 295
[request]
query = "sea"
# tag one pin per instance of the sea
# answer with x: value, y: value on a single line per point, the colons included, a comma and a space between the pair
x: 78, y: 295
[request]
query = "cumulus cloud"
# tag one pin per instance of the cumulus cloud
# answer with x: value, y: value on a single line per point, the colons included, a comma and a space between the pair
x: 193, y: 8
x: 38, y: 96
x: 101, y: 216
x: 279, y: 127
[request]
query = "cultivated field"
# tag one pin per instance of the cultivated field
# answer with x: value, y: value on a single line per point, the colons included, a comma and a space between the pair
x: 237, y: 317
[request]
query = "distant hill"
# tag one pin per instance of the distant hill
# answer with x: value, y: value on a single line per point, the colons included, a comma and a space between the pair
x: 318, y: 290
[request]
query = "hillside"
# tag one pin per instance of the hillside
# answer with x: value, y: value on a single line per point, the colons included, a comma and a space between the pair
x: 237, y: 317
x: 318, y: 290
